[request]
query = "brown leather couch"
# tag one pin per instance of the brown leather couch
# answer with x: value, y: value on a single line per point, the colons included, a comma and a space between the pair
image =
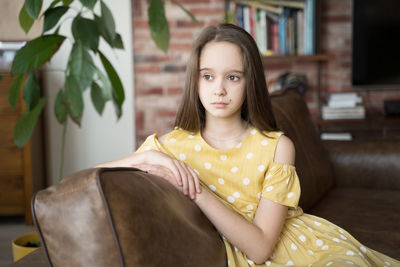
x: 354, y: 184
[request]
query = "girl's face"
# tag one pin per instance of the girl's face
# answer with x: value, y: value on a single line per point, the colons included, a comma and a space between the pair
x: 221, y: 80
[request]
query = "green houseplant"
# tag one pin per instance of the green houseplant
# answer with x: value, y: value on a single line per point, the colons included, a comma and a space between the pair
x: 80, y: 73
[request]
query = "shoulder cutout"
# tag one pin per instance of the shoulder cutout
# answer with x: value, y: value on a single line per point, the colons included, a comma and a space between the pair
x: 285, y: 151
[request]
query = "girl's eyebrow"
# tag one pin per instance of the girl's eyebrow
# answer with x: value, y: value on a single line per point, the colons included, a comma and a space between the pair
x: 237, y: 71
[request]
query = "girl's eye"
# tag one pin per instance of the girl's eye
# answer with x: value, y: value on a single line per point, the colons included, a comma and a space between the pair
x: 208, y: 77
x: 233, y: 78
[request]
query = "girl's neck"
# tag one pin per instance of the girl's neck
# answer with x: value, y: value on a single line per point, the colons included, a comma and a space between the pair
x: 224, y: 134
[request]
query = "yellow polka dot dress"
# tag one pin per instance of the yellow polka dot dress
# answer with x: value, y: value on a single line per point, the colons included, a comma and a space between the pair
x: 240, y: 176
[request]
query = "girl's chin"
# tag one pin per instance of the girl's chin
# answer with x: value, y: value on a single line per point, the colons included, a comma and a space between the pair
x: 223, y: 114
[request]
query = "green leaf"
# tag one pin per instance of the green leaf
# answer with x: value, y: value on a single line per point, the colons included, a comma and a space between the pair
x: 57, y: 30
x: 187, y: 12
x: 60, y: 109
x: 14, y: 91
x: 67, y: 2
x: 89, y: 3
x: 97, y: 98
x: 54, y: 3
x: 52, y: 16
x: 74, y: 99
x: 31, y: 92
x: 85, y: 31
x: 118, y: 42
x: 118, y: 90
x: 106, y: 24
x: 25, y: 20
x: 81, y: 66
x: 36, y: 52
x: 158, y: 24
x: 105, y: 86
x: 25, y: 125
x: 33, y: 8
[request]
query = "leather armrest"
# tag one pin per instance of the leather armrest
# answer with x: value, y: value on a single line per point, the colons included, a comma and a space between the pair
x: 123, y: 217
x: 366, y: 163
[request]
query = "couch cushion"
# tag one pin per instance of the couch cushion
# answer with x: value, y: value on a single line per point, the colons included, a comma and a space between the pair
x: 312, y: 162
x: 123, y: 217
x: 371, y: 216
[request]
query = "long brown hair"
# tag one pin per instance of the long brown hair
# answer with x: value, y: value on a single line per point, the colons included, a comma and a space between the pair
x: 256, y: 109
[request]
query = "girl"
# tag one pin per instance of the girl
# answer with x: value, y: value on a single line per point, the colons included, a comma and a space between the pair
x: 228, y: 156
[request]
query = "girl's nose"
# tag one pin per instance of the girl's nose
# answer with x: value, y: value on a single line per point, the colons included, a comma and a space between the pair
x: 220, y: 89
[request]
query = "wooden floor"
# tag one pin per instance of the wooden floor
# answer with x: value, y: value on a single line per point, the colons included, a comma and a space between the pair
x: 10, y: 228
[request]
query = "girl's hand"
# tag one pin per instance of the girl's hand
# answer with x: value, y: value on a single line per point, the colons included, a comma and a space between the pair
x: 185, y: 177
x: 158, y: 170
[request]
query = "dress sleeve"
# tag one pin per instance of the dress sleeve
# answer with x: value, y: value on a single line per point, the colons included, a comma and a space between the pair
x: 281, y: 184
x: 152, y: 143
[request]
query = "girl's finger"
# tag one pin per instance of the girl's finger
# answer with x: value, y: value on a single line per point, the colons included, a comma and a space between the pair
x: 170, y: 164
x: 190, y: 178
x: 196, y: 180
x: 183, y: 176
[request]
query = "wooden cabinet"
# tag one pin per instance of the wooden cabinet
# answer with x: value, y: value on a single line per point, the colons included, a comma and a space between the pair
x: 370, y: 128
x: 18, y: 177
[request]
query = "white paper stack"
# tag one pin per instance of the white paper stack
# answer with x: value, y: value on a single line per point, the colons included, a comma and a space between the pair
x: 343, y: 106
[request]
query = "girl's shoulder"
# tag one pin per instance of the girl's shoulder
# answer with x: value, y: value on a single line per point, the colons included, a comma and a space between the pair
x: 271, y: 135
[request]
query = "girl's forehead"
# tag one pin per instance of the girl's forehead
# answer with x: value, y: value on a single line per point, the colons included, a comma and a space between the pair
x: 221, y: 56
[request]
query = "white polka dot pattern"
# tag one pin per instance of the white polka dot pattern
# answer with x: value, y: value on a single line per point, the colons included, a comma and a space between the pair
x: 244, y: 174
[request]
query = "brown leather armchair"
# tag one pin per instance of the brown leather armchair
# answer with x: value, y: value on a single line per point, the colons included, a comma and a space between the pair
x: 354, y: 184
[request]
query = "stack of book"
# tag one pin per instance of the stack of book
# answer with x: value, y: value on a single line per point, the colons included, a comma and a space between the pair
x: 337, y: 136
x: 343, y: 106
x: 279, y: 27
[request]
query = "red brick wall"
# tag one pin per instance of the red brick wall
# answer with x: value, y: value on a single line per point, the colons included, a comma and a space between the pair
x: 159, y: 77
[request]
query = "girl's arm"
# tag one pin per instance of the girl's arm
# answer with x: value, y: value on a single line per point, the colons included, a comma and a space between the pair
x: 257, y: 240
x: 185, y: 177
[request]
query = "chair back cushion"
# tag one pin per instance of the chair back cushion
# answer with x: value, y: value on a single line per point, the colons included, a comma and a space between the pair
x: 312, y: 162
x: 123, y: 217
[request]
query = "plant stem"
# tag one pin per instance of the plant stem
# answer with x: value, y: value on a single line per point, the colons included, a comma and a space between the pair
x: 60, y: 173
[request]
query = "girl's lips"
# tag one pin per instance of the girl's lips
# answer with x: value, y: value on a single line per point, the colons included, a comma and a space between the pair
x: 219, y: 104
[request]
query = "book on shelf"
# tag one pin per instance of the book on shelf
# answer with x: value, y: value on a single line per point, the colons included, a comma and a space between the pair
x: 310, y: 18
x: 337, y: 136
x: 343, y: 106
x: 279, y: 27
x: 329, y: 113
x: 344, y: 100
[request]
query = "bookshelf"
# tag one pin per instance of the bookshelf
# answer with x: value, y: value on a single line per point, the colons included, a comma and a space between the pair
x: 279, y: 27
x: 304, y: 53
x: 283, y: 59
